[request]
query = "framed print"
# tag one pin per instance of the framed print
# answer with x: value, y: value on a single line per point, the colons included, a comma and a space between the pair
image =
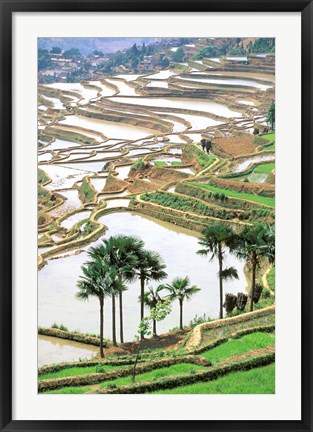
x: 156, y: 215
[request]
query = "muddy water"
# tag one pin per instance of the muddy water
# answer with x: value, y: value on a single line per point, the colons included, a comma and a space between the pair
x: 178, y: 246
x: 54, y: 350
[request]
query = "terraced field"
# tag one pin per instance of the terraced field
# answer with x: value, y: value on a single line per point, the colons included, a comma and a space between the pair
x: 180, y: 369
x: 158, y: 155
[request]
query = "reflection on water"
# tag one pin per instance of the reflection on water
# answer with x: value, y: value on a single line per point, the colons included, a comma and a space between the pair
x: 54, y: 350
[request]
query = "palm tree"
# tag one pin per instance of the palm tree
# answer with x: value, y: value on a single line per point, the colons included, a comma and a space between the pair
x: 150, y: 266
x: 255, y: 243
x: 151, y: 299
x: 95, y: 282
x: 181, y: 290
x: 216, y: 239
x: 121, y: 251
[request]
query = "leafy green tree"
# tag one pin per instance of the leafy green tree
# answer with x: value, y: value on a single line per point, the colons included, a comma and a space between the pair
x: 97, y: 53
x: 158, y: 313
x: 178, y: 55
x: 216, y: 239
x: 43, y: 59
x: 270, y: 118
x: 254, y: 244
x: 152, y: 298
x: 150, y: 266
x: 71, y: 53
x: 181, y: 290
x: 55, y: 50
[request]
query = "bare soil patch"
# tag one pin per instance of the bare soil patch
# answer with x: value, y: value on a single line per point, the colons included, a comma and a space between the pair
x: 235, y: 145
x: 166, y: 341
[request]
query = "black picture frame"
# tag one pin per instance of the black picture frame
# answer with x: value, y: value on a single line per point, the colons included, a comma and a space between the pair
x: 7, y: 9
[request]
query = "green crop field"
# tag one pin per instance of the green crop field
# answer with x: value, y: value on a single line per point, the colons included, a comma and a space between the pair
x: 265, y: 168
x: 256, y: 381
x: 233, y: 347
x: 174, y: 370
x: 233, y: 194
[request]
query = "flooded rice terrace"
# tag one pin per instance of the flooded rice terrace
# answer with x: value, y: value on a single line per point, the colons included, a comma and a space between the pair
x: 96, y: 130
x: 177, y: 246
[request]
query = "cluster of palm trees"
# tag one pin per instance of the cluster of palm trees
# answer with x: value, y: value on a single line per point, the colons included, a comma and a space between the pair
x: 252, y: 244
x: 180, y: 289
x: 115, y: 262
x: 122, y: 259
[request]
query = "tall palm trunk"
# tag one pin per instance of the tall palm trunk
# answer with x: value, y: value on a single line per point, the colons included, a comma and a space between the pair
x: 121, y: 316
x: 154, y: 327
x: 101, y: 327
x: 142, y: 304
x: 220, y: 262
x: 113, y: 322
x: 253, y: 283
x: 181, y: 314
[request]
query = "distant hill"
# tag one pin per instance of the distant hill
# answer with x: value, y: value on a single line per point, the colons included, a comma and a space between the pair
x: 87, y: 45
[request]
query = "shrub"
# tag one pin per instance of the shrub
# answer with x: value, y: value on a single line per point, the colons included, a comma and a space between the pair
x: 198, y: 320
x: 138, y: 164
x: 59, y: 327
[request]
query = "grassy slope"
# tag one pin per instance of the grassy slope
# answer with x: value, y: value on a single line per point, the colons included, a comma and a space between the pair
x: 233, y: 347
x: 77, y: 371
x: 270, y: 137
x: 233, y: 194
x: 256, y: 381
x: 265, y: 168
x: 174, y: 370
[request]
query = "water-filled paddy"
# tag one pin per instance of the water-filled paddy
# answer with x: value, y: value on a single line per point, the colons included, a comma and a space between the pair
x: 73, y: 219
x: 122, y: 202
x: 123, y: 88
x: 109, y: 129
x: 243, y: 165
x: 178, y: 246
x: 72, y: 198
x: 98, y: 183
x: 191, y: 104
x: 54, y: 350
x: 87, y: 166
x: 234, y: 82
x: 62, y: 177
